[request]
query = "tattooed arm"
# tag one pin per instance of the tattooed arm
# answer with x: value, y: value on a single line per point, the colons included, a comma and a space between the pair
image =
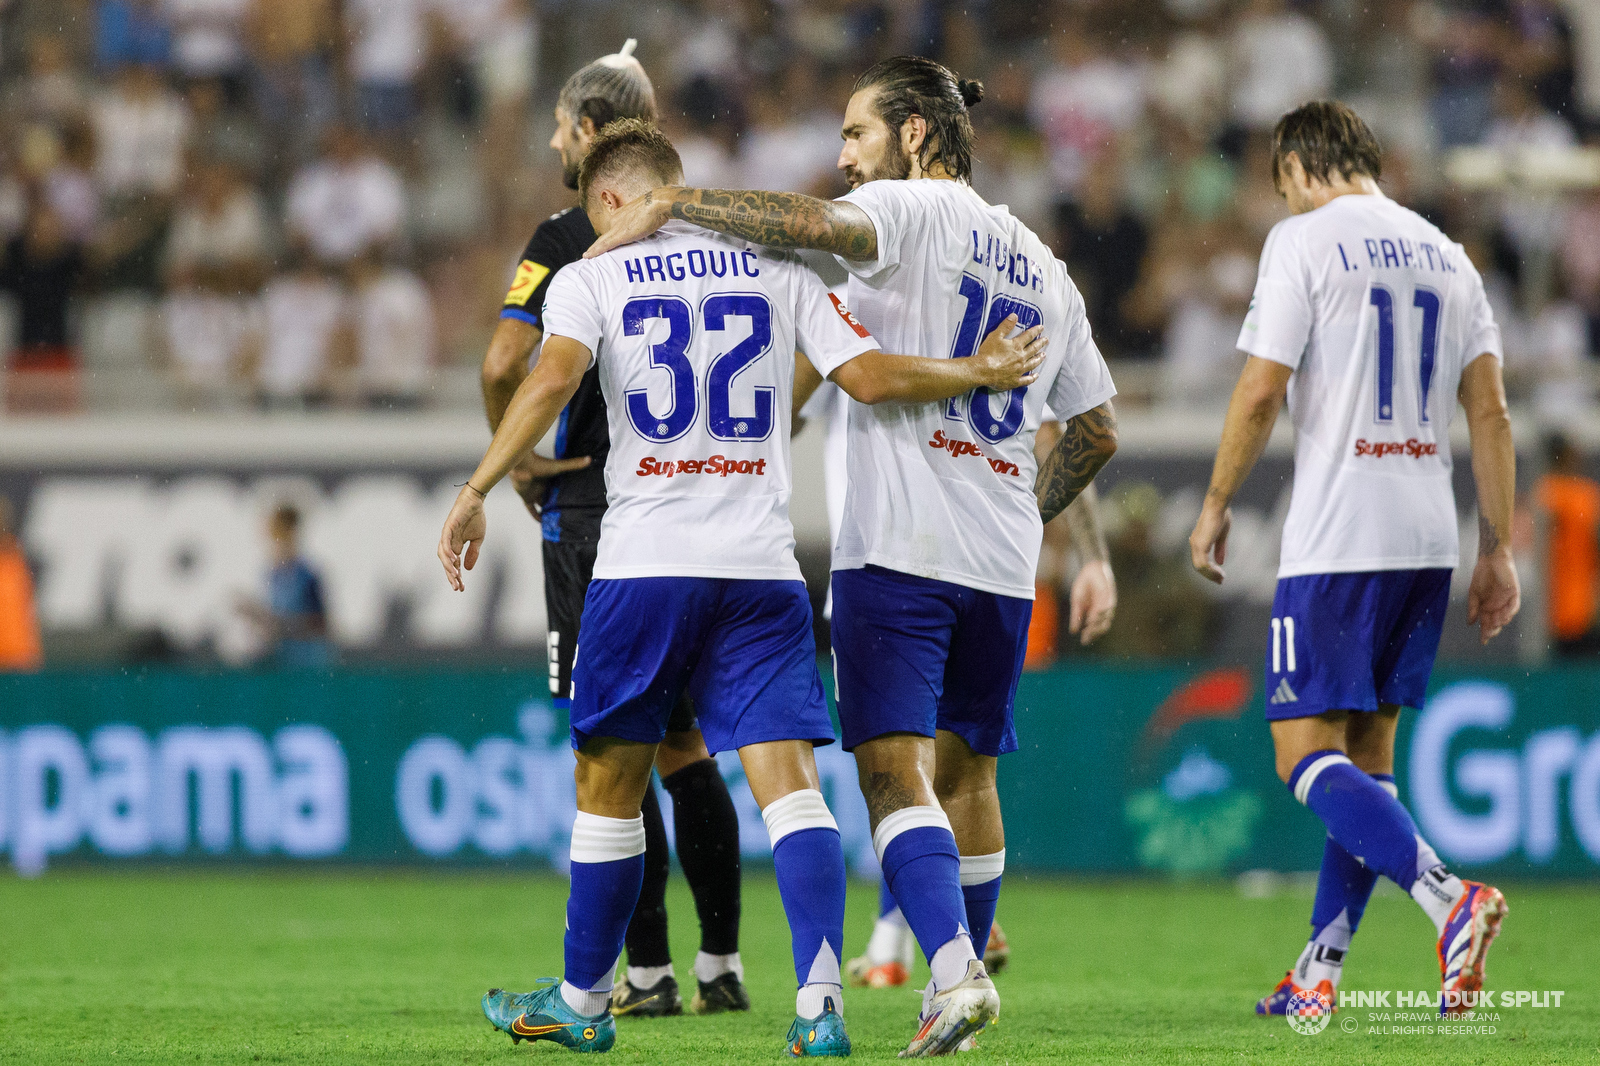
x: 1087, y: 441
x: 1494, y: 595
x: 774, y: 219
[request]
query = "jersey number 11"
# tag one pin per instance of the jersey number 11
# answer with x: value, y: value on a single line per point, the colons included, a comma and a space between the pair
x: 1427, y: 301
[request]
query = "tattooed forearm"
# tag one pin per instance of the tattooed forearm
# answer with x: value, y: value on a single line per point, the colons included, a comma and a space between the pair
x: 780, y: 220
x: 1083, y: 527
x: 1488, y: 537
x: 1087, y: 441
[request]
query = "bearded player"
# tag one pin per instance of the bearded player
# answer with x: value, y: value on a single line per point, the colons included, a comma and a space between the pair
x: 891, y: 948
x: 933, y: 577
x: 1375, y: 325
x: 568, y: 496
x: 695, y: 586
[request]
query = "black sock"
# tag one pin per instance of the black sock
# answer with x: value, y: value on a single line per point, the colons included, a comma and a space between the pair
x: 647, y: 930
x: 708, y: 849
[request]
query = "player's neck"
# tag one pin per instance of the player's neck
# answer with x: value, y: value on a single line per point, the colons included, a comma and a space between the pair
x: 1322, y: 194
x: 933, y: 172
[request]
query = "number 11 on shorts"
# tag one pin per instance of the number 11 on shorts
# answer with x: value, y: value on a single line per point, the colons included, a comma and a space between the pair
x: 1282, y: 641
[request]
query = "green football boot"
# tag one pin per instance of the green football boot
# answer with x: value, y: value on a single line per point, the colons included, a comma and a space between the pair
x: 822, y: 1036
x: 543, y: 1015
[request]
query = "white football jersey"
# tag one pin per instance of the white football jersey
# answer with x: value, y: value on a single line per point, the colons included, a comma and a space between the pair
x: 945, y: 490
x: 695, y: 334
x: 1377, y: 312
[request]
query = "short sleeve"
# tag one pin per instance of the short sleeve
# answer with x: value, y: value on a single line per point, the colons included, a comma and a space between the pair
x: 892, y: 208
x: 1083, y: 381
x: 1482, y: 332
x: 540, y: 261
x: 1278, y: 324
x: 824, y: 328
x: 571, y: 310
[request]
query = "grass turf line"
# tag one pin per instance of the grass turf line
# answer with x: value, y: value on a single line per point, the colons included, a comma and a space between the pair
x: 355, y: 967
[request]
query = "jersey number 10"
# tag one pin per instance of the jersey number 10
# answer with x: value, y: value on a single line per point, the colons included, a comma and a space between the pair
x: 980, y: 410
x: 1426, y: 301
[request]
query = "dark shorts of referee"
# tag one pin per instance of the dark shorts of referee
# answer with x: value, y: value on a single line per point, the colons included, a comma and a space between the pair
x: 568, y: 569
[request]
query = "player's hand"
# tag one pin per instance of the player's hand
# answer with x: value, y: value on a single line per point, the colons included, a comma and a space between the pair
x: 1093, y: 602
x: 1495, y: 596
x: 1208, y: 544
x: 633, y: 222
x: 1007, y: 362
x: 465, y: 528
x: 533, y: 473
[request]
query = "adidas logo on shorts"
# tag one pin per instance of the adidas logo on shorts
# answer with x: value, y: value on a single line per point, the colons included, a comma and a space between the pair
x: 1283, y: 693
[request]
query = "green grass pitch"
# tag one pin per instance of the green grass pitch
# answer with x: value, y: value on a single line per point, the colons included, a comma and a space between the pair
x: 358, y: 967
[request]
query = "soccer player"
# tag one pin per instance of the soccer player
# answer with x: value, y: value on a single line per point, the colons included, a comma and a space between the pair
x: 933, y: 573
x: 695, y: 585
x: 1376, y: 324
x: 568, y: 496
x: 891, y: 949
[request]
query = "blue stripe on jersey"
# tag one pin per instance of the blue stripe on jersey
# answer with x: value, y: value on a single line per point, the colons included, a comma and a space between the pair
x: 550, y: 523
x: 520, y: 315
x: 561, y: 432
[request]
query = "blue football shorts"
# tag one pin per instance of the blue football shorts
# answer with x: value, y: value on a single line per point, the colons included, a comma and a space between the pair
x: 743, y: 649
x: 912, y: 655
x: 1349, y: 642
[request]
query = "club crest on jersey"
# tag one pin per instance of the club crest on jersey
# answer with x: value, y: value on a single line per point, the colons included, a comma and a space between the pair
x: 958, y: 448
x: 717, y: 466
x: 1416, y: 449
x: 849, y: 319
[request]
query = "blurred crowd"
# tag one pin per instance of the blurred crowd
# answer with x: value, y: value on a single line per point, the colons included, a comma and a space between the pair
x: 212, y: 203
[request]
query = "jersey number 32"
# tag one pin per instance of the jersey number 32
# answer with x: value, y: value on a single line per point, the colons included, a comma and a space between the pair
x: 670, y: 354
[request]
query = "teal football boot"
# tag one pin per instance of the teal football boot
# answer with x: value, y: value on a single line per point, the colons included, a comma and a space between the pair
x: 819, y: 1037
x: 543, y: 1015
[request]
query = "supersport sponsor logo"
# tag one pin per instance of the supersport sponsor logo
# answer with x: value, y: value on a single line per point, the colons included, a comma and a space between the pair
x: 849, y: 319
x: 717, y: 465
x: 1415, y: 448
x: 958, y: 448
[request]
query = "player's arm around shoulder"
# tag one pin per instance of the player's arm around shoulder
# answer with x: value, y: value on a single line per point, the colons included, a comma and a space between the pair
x: 1494, y: 596
x: 1003, y: 361
x: 775, y: 219
x: 532, y: 411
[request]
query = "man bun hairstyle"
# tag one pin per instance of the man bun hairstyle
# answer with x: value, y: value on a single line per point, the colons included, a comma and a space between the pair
x: 914, y: 85
x: 629, y: 146
x: 1328, y: 137
x: 612, y: 87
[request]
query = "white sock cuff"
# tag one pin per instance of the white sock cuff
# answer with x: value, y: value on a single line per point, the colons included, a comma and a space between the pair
x: 904, y: 819
x: 1390, y: 787
x: 596, y: 838
x: 805, y: 809
x: 976, y: 869
x: 1302, y: 787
